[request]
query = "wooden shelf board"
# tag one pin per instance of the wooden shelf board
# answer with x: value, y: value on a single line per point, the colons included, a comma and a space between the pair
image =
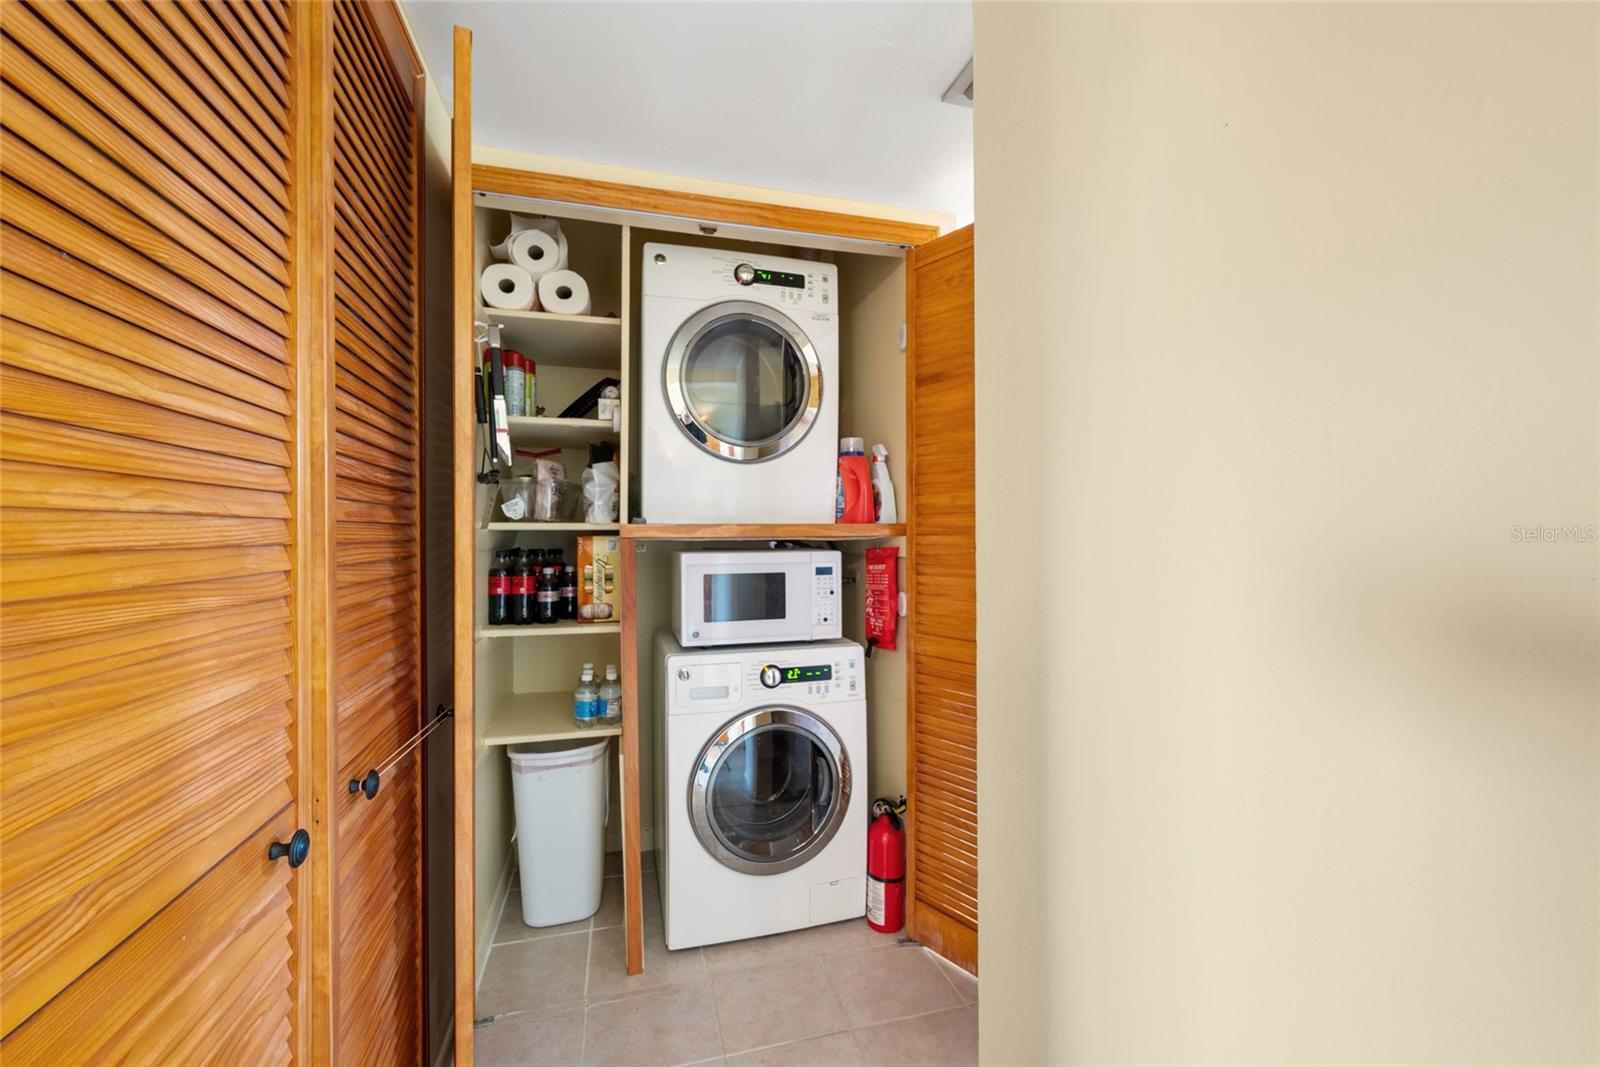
x: 555, y: 527
x: 779, y: 531
x: 514, y: 718
x: 531, y: 432
x: 560, y: 340
x: 559, y: 629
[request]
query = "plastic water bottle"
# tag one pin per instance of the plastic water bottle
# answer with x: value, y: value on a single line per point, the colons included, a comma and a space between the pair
x: 611, y: 698
x: 586, y: 699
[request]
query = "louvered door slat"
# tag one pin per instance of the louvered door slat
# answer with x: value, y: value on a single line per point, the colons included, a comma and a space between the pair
x: 40, y: 262
x: 183, y: 148
x: 148, y: 78
x: 365, y: 62
x: 44, y: 395
x: 239, y: 910
x: 82, y: 200
x: 146, y: 584
x: 942, y: 877
x: 376, y: 543
x: 198, y: 88
x: 22, y: 208
x: 270, y: 121
x: 358, y: 247
x: 270, y: 70
x: 70, y: 111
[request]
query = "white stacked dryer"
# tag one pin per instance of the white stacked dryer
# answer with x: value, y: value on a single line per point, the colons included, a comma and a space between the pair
x: 739, y: 390
x: 761, y: 762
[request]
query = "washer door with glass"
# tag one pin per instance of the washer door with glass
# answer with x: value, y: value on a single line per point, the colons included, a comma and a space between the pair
x: 743, y: 381
x: 770, y: 790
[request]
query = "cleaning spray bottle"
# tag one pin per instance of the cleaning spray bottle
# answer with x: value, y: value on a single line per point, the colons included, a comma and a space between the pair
x: 882, y: 487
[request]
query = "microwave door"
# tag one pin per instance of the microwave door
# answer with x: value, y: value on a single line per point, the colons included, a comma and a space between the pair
x: 766, y: 604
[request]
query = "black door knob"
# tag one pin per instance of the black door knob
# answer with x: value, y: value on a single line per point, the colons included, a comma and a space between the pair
x: 368, y: 785
x: 297, y: 849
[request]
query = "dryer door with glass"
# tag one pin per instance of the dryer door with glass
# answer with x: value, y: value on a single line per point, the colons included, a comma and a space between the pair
x: 770, y: 790
x: 743, y: 381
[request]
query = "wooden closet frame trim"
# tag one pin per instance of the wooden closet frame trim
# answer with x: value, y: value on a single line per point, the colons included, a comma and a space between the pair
x: 463, y: 536
x: 590, y: 192
x: 311, y: 126
x: 582, y: 192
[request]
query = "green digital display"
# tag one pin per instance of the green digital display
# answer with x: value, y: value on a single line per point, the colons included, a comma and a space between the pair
x: 779, y: 277
x: 807, y: 674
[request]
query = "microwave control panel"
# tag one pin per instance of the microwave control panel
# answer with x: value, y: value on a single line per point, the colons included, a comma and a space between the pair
x: 825, y: 599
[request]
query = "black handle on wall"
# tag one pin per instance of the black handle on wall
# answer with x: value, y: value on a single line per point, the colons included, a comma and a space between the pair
x: 297, y: 849
x: 368, y: 785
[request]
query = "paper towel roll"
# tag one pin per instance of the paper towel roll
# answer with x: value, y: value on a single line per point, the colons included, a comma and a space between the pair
x: 564, y: 292
x: 536, y: 252
x: 509, y: 287
x: 523, y: 223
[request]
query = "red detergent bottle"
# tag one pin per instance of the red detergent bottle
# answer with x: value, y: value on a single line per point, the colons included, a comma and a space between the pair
x: 854, y: 500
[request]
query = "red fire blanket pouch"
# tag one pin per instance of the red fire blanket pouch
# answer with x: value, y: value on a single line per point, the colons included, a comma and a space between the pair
x: 883, y: 597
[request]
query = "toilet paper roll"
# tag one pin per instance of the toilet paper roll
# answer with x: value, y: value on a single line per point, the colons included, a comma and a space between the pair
x: 523, y: 223
x: 536, y: 252
x: 508, y: 287
x: 564, y: 292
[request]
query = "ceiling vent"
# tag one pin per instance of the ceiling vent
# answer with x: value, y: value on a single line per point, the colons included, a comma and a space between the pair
x: 960, y: 91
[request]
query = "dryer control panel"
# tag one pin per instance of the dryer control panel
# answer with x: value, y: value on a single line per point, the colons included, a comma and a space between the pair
x: 709, y: 274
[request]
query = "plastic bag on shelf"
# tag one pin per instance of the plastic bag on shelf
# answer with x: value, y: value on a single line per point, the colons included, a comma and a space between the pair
x: 600, y: 497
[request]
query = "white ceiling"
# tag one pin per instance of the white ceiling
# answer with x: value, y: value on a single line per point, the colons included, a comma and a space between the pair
x: 835, y: 99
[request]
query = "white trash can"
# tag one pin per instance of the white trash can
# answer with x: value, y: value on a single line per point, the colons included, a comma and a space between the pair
x: 562, y: 794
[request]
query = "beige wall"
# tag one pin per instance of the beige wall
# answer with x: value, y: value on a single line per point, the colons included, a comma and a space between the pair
x: 1286, y: 317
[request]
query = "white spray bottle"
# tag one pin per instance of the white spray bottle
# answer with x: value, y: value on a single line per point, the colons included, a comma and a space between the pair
x: 882, y: 487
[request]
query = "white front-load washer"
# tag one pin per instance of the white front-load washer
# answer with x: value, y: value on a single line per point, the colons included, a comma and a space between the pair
x: 739, y: 394
x: 761, y: 806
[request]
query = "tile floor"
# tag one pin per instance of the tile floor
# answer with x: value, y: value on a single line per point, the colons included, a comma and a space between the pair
x: 831, y: 996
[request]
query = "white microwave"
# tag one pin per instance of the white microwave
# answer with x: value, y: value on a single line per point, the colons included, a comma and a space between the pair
x: 755, y: 597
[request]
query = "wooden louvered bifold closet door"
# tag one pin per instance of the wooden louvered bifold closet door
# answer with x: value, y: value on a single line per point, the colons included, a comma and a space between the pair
x: 942, y: 683
x: 147, y: 479
x: 377, y: 567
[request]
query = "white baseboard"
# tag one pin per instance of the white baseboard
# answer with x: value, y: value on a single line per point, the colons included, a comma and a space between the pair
x: 647, y: 840
x: 485, y: 938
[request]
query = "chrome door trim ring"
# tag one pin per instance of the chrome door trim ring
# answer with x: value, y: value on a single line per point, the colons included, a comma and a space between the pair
x: 683, y: 340
x: 710, y: 760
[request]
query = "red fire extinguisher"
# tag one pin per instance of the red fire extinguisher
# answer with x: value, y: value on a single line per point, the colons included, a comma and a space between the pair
x: 886, y: 866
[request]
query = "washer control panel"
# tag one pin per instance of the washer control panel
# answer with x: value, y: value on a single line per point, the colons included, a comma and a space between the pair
x: 834, y: 673
x: 732, y: 679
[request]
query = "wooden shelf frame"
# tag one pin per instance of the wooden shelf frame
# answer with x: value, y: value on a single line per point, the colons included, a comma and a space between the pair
x: 560, y: 340
x: 811, y: 531
x: 582, y: 529
x: 540, y: 431
x: 558, y: 629
x: 518, y: 718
